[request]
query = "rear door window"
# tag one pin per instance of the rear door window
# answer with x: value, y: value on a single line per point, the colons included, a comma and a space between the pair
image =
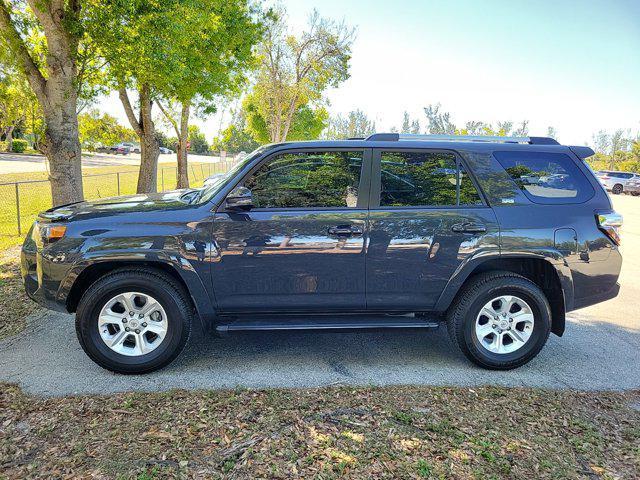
x: 414, y: 179
x: 546, y: 177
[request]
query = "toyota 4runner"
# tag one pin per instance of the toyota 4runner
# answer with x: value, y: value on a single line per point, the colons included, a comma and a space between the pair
x: 495, y: 237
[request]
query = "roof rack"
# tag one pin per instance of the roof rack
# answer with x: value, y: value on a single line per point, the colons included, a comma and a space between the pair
x: 394, y: 137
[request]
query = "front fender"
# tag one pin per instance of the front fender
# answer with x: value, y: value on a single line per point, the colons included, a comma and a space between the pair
x: 163, y: 259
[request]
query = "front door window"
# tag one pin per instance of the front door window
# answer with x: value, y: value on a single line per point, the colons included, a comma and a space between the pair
x: 307, y: 180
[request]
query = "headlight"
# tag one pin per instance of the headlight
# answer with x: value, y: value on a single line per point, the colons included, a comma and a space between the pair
x: 49, y: 233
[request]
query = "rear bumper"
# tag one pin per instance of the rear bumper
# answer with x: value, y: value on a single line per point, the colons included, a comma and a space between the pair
x: 597, y: 298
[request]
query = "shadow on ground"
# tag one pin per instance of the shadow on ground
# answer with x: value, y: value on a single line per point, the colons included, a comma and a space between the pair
x: 47, y: 360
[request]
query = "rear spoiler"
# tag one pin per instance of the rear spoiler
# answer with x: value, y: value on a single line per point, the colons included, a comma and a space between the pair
x: 582, y: 152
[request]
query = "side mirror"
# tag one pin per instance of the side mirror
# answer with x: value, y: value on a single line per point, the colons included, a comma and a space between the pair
x: 240, y: 198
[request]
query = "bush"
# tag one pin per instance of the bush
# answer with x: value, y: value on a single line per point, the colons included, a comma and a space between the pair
x: 3, y: 146
x: 19, y: 145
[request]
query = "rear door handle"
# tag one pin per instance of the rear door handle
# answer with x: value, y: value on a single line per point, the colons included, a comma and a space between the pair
x: 468, y: 227
x: 345, y: 231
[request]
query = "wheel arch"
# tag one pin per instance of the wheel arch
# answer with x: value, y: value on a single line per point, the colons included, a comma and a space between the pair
x: 554, y: 280
x: 83, y: 276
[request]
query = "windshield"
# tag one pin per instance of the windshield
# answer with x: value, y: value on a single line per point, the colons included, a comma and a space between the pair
x: 205, y: 194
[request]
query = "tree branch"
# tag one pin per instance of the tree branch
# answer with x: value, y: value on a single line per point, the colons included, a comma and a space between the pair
x: 169, y: 117
x: 16, y: 44
x: 124, y: 98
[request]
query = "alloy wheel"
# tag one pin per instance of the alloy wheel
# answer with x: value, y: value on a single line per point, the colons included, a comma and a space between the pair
x: 132, y: 324
x: 504, y: 324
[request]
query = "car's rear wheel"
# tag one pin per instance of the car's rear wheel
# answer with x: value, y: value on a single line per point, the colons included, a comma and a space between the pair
x: 617, y: 189
x: 500, y: 320
x: 134, y: 321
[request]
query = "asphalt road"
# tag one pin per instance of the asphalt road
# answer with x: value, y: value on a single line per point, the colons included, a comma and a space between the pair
x: 599, y: 351
x: 20, y: 163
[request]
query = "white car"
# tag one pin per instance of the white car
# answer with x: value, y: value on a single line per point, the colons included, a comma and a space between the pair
x: 619, y: 182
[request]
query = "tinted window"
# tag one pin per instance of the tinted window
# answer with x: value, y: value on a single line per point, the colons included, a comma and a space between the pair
x: 546, y: 177
x: 307, y: 180
x: 425, y: 179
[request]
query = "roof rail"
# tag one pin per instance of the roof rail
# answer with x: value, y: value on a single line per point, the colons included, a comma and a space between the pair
x: 394, y: 137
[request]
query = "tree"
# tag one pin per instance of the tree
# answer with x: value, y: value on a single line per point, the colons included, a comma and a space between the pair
x: 522, y: 130
x: 96, y: 129
x: 355, y: 125
x: 173, y: 50
x: 439, y: 122
x: 295, y: 71
x: 197, y: 141
x: 612, y: 146
x: 307, y: 122
x: 410, y: 126
x: 16, y: 100
x: 236, y: 138
x: 217, y: 47
x: 50, y: 66
x: 135, y: 39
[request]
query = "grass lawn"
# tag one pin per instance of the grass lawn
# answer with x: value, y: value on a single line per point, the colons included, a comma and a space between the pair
x: 98, y: 182
x: 337, y: 432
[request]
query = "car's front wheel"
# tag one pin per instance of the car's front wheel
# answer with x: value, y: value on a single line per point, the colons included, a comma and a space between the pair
x: 134, y: 321
x: 617, y: 189
x: 500, y: 320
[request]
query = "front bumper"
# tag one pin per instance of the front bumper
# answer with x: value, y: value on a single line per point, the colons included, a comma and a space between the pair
x: 43, y: 274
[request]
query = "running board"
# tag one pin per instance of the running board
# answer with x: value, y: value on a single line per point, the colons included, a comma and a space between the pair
x: 329, y: 322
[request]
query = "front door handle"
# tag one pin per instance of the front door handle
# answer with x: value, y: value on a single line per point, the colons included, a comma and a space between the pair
x: 345, y: 231
x: 468, y: 227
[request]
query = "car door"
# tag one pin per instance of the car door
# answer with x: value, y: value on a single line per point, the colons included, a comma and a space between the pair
x: 302, y: 244
x: 427, y: 217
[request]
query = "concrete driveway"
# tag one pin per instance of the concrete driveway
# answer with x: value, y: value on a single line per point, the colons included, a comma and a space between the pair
x: 599, y: 351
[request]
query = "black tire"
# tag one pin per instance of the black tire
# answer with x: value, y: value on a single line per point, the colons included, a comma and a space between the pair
x: 617, y: 189
x: 479, y: 290
x: 169, y: 293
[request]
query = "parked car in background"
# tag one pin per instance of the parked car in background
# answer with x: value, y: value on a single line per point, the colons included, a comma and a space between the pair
x: 619, y: 182
x: 165, y: 150
x: 123, y: 150
x: 633, y: 186
x: 395, y: 231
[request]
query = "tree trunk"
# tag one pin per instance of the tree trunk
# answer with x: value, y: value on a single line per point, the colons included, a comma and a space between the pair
x: 9, y: 138
x: 183, y: 139
x: 149, y: 146
x: 146, y: 131
x: 287, y: 124
x: 61, y: 142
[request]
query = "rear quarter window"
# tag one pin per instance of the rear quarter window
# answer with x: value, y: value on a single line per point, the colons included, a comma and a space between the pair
x: 550, y: 178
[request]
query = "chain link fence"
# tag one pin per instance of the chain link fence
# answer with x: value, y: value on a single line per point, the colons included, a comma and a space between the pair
x: 21, y: 201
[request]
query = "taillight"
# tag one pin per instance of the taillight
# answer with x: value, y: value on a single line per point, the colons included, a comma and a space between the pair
x: 610, y: 223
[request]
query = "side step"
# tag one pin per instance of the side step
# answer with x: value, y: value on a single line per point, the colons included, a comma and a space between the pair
x: 328, y: 322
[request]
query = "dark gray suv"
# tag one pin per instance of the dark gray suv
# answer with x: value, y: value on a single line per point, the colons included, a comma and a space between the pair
x: 495, y: 237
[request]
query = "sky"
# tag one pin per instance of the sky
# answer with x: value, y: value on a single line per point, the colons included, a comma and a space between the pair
x: 573, y: 65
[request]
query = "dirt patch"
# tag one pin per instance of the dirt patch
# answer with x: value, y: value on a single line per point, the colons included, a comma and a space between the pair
x: 405, y: 432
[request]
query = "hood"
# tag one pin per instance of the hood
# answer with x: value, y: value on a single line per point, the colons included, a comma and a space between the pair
x: 150, y: 202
